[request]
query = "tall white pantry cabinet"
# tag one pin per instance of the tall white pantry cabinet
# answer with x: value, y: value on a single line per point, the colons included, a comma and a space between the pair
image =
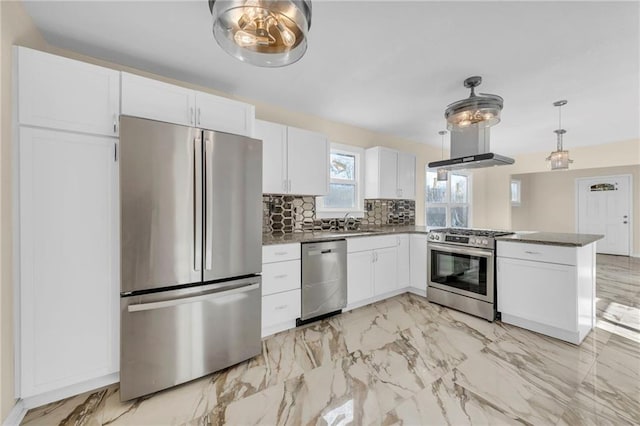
x: 66, y: 134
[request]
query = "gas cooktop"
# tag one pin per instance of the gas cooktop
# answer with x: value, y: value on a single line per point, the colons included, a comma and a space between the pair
x: 475, y: 232
x: 484, y: 238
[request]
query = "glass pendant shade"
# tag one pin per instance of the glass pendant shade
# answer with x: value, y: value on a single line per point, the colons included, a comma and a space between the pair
x: 266, y: 33
x: 443, y: 174
x: 559, y: 160
x: 482, y: 110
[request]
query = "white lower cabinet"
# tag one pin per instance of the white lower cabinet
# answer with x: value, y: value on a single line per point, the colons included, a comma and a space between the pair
x: 68, y: 284
x: 547, y: 289
x: 359, y: 276
x: 418, y: 262
x: 385, y: 271
x: 281, y: 278
x: 371, y: 268
x: 404, y: 262
x: 280, y: 308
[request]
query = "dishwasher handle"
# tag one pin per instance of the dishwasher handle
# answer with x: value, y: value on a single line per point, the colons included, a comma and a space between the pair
x: 320, y: 252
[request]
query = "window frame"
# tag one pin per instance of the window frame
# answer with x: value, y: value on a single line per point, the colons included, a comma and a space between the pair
x: 518, y: 202
x: 357, y: 211
x: 447, y: 204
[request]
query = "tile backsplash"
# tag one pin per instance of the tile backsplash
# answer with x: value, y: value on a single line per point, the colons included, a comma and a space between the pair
x: 294, y: 213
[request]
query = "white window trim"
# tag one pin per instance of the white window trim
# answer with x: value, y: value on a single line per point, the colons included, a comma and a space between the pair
x: 447, y: 204
x: 517, y: 203
x: 358, y: 211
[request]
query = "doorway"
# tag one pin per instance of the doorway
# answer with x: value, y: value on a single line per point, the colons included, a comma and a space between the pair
x: 604, y: 207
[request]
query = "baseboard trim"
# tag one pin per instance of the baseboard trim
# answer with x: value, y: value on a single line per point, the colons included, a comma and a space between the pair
x: 16, y: 414
x: 73, y: 390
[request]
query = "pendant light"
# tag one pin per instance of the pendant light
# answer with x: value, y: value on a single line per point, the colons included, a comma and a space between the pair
x: 443, y: 175
x: 559, y: 159
x: 266, y: 33
x: 482, y: 110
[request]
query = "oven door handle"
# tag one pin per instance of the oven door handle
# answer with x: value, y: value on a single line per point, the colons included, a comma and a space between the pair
x: 449, y: 249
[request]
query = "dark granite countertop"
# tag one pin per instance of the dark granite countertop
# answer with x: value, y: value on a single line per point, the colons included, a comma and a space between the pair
x: 552, y: 238
x: 369, y: 231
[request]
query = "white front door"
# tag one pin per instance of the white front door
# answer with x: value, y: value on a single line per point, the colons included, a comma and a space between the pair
x: 604, y: 207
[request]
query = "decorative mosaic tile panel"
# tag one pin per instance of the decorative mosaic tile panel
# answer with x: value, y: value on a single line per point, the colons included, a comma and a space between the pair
x: 293, y: 213
x: 389, y: 212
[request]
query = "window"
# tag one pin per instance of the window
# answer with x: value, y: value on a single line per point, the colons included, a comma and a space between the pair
x: 448, y: 203
x: 515, y: 192
x: 345, y: 174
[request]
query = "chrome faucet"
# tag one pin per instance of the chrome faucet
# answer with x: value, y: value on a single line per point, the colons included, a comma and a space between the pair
x: 346, y: 220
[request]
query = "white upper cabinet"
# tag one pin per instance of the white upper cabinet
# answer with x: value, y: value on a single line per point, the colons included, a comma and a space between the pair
x: 61, y: 93
x: 274, y: 156
x: 148, y: 98
x: 224, y: 115
x: 407, y: 175
x: 307, y: 162
x: 294, y: 161
x: 390, y: 174
x: 69, y: 281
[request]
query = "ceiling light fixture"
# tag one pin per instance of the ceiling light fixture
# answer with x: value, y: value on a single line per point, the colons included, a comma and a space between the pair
x: 266, y: 33
x: 443, y: 175
x: 559, y: 159
x: 482, y: 110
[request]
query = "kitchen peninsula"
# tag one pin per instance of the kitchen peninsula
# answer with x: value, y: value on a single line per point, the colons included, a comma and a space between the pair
x: 546, y: 282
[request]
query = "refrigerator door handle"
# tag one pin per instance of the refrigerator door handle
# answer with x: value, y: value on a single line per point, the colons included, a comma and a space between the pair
x: 175, y: 302
x: 197, y: 204
x: 208, y: 185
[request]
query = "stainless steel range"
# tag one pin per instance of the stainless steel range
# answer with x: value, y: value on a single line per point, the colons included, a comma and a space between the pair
x: 461, y: 269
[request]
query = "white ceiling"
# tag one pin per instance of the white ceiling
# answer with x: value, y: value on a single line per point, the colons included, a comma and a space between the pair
x: 393, y: 66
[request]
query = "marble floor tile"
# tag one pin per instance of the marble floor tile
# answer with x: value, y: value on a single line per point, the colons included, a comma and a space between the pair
x: 447, y: 403
x: 407, y: 361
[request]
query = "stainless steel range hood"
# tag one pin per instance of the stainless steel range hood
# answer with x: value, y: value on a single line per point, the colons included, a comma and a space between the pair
x: 470, y: 150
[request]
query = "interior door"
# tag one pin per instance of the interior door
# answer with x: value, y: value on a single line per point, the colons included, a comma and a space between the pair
x: 604, y: 207
x: 233, y: 206
x: 160, y: 234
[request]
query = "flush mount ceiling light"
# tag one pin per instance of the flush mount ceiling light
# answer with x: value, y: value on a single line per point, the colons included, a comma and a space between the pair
x: 266, y: 33
x: 559, y: 159
x: 482, y: 110
x: 442, y: 173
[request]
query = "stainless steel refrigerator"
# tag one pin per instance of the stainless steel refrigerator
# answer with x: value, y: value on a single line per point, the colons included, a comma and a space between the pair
x: 191, y: 253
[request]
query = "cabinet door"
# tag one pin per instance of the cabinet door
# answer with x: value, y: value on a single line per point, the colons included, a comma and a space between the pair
x: 274, y: 156
x: 407, y: 175
x: 153, y: 99
x: 538, y: 291
x: 69, y: 289
x: 418, y: 249
x: 307, y: 162
x: 404, y: 274
x: 359, y: 276
x: 224, y: 115
x: 388, y: 164
x: 64, y: 94
x: 385, y: 267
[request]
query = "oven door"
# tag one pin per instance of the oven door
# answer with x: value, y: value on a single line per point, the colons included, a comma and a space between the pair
x: 461, y: 270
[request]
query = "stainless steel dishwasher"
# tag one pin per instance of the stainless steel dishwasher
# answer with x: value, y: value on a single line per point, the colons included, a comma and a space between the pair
x: 324, y: 279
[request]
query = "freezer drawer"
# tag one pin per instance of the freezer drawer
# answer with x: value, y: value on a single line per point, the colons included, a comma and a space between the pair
x: 324, y: 278
x: 176, y: 336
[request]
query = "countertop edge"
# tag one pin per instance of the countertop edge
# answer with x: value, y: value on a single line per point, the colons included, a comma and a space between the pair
x: 552, y: 239
x: 309, y: 237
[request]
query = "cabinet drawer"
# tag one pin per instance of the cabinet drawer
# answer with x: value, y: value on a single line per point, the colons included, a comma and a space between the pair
x: 280, y: 276
x: 280, y: 307
x: 371, y: 243
x: 280, y: 252
x: 537, y: 252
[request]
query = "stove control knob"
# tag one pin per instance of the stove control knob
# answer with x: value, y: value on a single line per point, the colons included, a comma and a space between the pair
x: 437, y: 237
x: 485, y: 242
